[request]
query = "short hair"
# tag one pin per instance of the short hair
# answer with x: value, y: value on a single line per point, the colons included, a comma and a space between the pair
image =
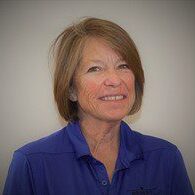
x: 67, y: 49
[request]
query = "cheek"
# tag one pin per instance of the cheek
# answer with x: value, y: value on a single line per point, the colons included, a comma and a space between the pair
x: 87, y: 95
x: 86, y: 90
x: 129, y: 81
x: 131, y: 86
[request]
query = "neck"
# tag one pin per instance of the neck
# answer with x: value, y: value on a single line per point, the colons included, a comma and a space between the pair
x: 100, y: 134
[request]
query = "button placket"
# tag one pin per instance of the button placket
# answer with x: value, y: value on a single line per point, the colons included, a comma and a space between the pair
x: 101, y: 172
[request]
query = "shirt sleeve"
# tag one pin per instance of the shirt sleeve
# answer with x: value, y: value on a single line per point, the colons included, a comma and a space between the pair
x: 180, y: 184
x: 19, y: 179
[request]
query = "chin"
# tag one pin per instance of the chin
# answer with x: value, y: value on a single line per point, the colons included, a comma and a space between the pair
x: 113, y: 117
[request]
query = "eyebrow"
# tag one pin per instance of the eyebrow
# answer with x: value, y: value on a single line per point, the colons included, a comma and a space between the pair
x: 100, y: 61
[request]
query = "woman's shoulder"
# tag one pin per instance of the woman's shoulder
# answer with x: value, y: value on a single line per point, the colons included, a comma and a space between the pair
x: 147, y: 142
x: 154, y: 148
x: 151, y: 143
x: 56, y: 142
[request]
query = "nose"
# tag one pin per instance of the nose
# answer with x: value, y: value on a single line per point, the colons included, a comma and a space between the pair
x: 112, y: 79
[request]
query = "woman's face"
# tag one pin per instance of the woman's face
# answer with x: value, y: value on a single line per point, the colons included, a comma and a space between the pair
x: 103, y: 83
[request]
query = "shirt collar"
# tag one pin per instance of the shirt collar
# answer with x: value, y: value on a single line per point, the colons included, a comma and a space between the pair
x: 129, y: 149
x: 78, y: 140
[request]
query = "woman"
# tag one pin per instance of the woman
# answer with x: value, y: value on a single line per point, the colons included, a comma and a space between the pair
x: 98, y: 81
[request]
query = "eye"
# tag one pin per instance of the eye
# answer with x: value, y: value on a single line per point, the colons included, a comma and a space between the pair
x: 123, y: 66
x: 94, y: 69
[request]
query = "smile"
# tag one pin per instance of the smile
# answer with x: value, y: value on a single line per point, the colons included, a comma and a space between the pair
x: 113, y: 98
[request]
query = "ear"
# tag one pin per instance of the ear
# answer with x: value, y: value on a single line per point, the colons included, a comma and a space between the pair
x: 72, y: 94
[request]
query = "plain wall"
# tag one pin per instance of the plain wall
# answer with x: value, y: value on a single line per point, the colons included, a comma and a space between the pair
x: 164, y: 33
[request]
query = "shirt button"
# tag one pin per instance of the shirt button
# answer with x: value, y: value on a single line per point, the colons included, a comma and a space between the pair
x: 104, y: 182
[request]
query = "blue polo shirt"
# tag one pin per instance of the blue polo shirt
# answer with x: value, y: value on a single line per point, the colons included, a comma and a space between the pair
x: 61, y: 164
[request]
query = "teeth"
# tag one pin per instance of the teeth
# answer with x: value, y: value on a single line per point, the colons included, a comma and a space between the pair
x: 119, y: 97
x: 110, y: 98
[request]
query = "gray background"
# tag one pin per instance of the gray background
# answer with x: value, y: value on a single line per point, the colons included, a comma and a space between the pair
x: 164, y: 33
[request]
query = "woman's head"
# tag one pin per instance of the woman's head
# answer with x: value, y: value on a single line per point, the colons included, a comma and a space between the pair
x: 69, y: 48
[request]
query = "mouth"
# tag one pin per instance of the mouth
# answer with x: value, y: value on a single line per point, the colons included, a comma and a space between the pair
x: 113, y: 98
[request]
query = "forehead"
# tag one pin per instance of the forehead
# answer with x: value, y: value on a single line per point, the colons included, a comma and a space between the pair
x: 97, y: 49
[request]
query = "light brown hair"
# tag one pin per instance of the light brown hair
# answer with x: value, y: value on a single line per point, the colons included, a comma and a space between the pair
x: 67, y: 49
